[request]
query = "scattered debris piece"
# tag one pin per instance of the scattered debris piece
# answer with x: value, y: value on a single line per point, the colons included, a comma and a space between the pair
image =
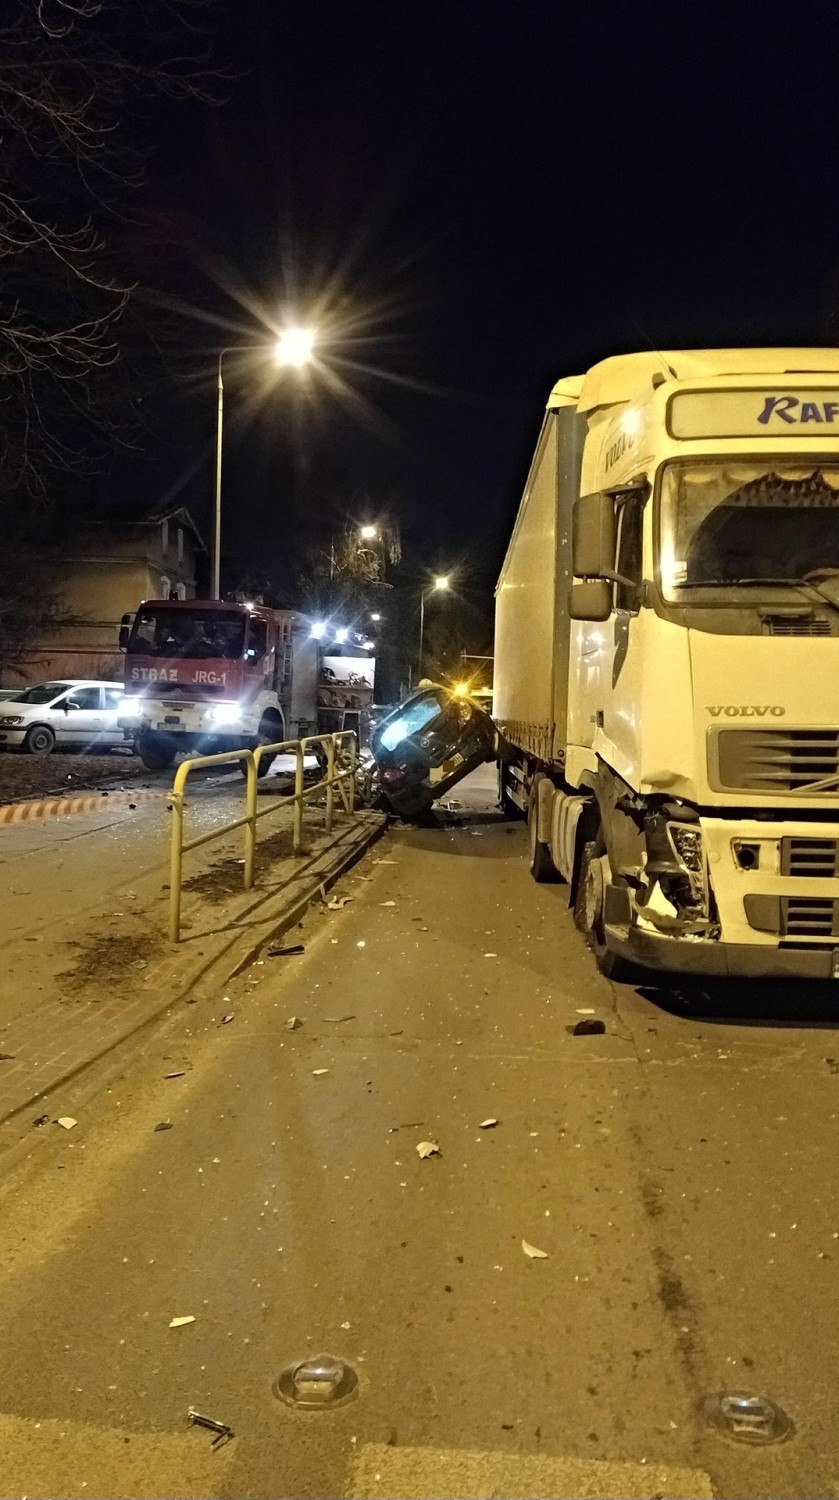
x: 180, y: 1074
x: 385, y: 861
x: 164, y: 1125
x: 290, y: 952
x: 223, y: 1431
x: 387, y: 903
x: 66, y: 1122
x: 181, y: 1322
x: 225, y: 1020
x: 336, y: 1020
x: 487, y: 1124
x: 319, y: 1072
x: 490, y: 955
x: 361, y: 944
x: 41, y: 1120
x: 293, y: 1023
x: 585, y: 1010
x: 6, y: 1056
x: 588, y: 1028
x: 338, y: 903
x: 532, y: 1252
x: 395, y: 1033
x: 428, y: 1148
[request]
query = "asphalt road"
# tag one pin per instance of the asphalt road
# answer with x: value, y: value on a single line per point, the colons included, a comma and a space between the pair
x: 678, y: 1172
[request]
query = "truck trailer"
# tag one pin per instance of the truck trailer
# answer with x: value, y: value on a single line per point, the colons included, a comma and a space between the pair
x: 667, y: 660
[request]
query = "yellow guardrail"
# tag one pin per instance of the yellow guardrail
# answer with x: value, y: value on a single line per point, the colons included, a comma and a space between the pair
x: 335, y: 747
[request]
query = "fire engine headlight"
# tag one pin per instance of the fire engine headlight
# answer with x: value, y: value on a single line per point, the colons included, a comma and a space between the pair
x: 686, y: 843
x: 130, y: 708
x: 225, y: 713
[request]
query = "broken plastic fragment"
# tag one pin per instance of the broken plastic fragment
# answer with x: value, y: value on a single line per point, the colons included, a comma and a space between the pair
x: 288, y: 952
x: 387, y: 903
x: 319, y: 1072
x: 490, y: 955
x: 66, y: 1122
x: 336, y: 1020
x: 225, y: 1020
x: 180, y: 1074
x: 338, y: 903
x: 164, y: 1125
x: 428, y: 1148
x: 487, y: 1124
x: 293, y: 1023
x: 181, y: 1322
x: 589, y: 1028
x: 532, y: 1252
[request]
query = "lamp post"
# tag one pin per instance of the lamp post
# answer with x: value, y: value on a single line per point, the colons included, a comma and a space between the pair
x: 293, y: 347
x: 439, y: 586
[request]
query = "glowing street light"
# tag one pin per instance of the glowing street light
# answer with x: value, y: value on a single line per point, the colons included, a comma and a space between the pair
x: 441, y: 583
x: 376, y: 618
x: 295, y: 347
x: 318, y: 630
x: 341, y: 635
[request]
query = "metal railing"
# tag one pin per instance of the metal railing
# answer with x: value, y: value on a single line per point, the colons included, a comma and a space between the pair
x: 335, y: 747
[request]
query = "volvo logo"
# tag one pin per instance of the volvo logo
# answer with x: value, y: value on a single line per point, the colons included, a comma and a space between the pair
x: 747, y: 711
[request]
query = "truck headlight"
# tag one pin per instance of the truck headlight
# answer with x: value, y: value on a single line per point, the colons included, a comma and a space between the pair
x: 686, y: 843
x: 130, y: 708
x: 225, y: 713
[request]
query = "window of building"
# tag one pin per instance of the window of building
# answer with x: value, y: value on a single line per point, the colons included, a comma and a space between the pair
x: 165, y: 586
x: 181, y: 590
x: 164, y: 536
x: 180, y: 544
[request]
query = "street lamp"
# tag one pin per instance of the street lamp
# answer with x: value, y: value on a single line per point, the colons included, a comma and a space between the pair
x: 441, y: 583
x: 295, y: 347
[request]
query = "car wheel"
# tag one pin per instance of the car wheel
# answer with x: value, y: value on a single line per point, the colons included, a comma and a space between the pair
x: 39, y: 740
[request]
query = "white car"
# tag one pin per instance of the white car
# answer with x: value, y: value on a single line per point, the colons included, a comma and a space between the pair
x: 77, y: 713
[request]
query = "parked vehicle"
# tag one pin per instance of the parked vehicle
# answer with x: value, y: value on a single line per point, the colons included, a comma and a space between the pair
x: 77, y: 713
x: 206, y: 675
x: 671, y: 717
x: 427, y: 745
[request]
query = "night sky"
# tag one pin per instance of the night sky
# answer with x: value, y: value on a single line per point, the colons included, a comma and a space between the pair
x: 482, y: 199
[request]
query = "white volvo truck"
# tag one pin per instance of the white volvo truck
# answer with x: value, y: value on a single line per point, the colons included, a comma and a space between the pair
x: 667, y: 660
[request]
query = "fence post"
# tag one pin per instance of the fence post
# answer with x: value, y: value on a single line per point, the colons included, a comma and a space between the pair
x: 298, y: 797
x: 353, y: 765
x: 330, y: 782
x: 250, y: 812
x: 176, y: 858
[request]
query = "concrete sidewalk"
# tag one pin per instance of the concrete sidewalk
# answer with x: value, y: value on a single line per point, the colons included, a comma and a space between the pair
x: 122, y: 973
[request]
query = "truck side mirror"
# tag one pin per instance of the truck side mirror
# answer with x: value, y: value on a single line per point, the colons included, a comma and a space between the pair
x: 594, y: 537
x: 591, y: 600
x: 124, y: 632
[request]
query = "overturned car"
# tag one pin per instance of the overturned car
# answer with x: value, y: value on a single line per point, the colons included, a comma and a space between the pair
x: 427, y: 745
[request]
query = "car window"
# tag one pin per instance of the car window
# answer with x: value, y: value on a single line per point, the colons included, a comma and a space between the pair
x: 113, y: 697
x: 86, y: 697
x: 43, y: 692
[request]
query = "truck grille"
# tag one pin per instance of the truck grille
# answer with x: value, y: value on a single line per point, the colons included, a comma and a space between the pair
x: 780, y: 626
x: 816, y: 858
x: 777, y: 760
x: 808, y: 916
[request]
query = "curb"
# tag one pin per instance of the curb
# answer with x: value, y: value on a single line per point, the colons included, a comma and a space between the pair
x: 62, y: 807
x: 186, y: 985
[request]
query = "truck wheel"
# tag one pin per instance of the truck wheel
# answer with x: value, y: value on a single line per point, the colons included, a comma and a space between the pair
x: 155, y: 753
x: 271, y: 732
x: 588, y: 915
x: 40, y: 740
x: 542, y: 867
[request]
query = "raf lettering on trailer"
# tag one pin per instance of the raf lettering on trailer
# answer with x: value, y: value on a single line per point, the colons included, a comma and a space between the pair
x: 795, y: 412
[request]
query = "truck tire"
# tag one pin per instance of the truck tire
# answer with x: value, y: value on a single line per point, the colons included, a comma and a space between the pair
x: 39, y: 740
x: 271, y: 732
x: 540, y: 859
x: 155, y: 752
x: 588, y: 916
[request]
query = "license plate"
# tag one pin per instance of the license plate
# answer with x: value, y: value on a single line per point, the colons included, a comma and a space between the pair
x: 181, y: 708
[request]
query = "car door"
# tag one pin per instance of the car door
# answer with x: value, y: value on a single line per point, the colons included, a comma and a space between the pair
x: 78, y: 717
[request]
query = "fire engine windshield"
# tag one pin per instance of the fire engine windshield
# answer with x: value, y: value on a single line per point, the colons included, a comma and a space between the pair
x: 187, y: 633
x: 727, y: 522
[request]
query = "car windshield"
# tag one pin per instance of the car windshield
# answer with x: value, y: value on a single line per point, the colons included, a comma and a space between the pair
x: 188, y: 633
x: 43, y: 692
x: 727, y: 522
x: 417, y: 713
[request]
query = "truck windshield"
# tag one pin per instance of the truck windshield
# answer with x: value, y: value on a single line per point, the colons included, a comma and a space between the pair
x: 728, y: 522
x: 188, y: 633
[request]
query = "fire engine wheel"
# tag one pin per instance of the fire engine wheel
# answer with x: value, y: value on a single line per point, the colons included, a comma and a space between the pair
x: 156, y: 754
x: 40, y: 740
x: 271, y: 732
x: 588, y: 914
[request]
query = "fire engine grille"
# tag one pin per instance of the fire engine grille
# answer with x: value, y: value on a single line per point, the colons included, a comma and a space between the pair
x: 777, y: 760
x: 809, y: 916
x: 816, y: 858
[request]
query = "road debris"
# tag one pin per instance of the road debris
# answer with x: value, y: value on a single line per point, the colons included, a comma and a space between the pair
x: 293, y: 1023
x: 490, y: 955
x: 66, y: 1122
x: 182, y: 1322
x: 319, y: 1072
x: 6, y: 1056
x: 41, y: 1120
x: 338, y: 903
x: 164, y: 1125
x: 585, y: 1010
x: 180, y: 1074
x: 336, y: 1020
x: 428, y: 1148
x: 290, y: 952
x: 225, y: 1020
x: 387, y: 903
x: 588, y: 1028
x: 361, y: 944
x: 223, y: 1431
x: 487, y: 1124
x: 532, y: 1252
